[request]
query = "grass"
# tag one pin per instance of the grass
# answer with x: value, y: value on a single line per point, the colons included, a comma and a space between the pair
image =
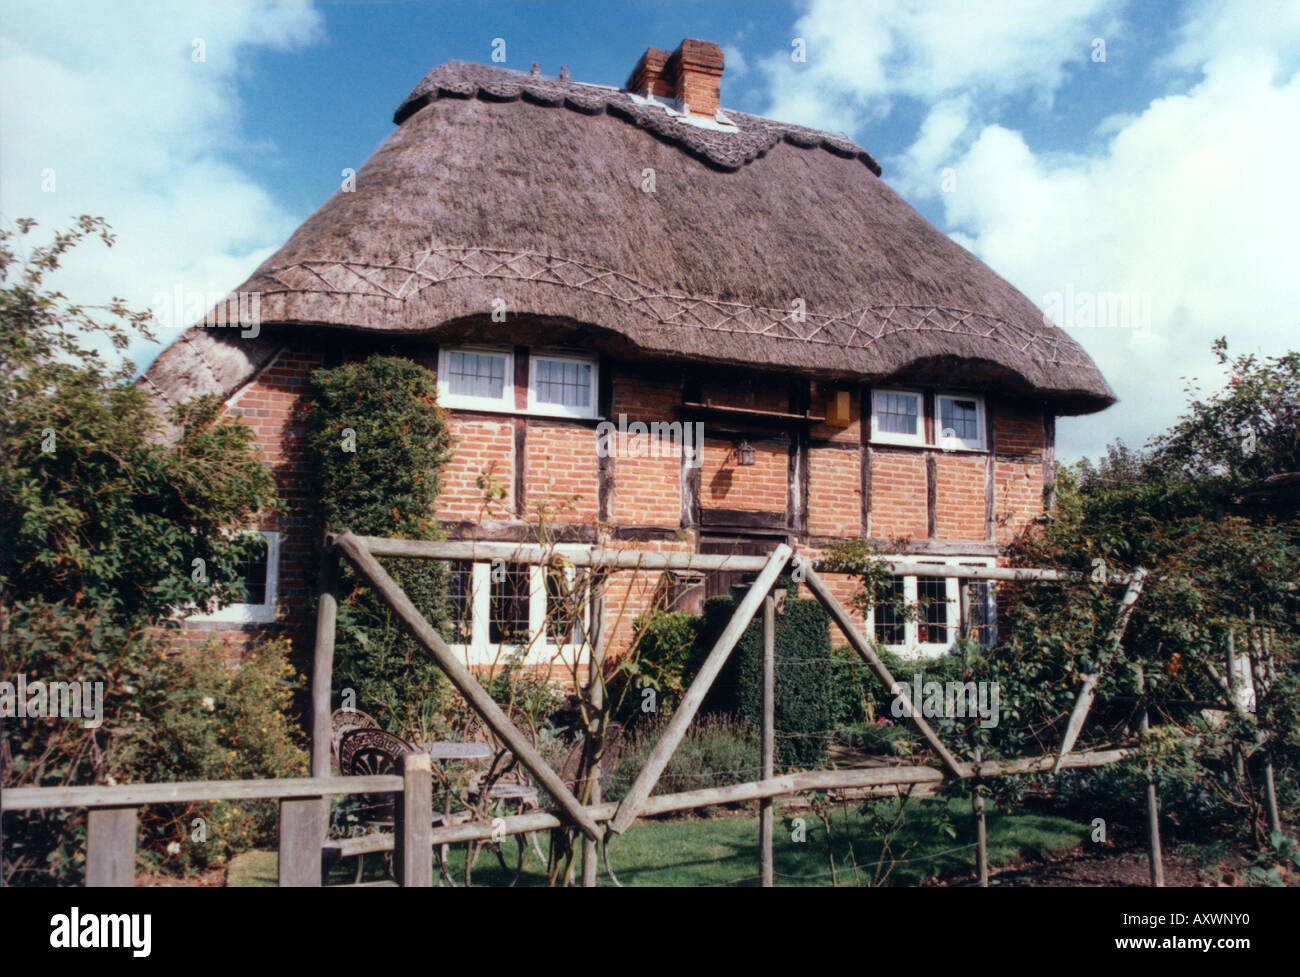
x: 936, y: 840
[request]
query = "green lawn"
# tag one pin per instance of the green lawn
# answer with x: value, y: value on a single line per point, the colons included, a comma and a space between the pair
x: 724, y: 851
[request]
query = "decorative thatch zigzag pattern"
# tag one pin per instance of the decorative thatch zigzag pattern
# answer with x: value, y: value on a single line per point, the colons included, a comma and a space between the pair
x: 857, y: 328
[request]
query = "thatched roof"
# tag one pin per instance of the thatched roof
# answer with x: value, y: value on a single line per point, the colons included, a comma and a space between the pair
x: 504, y: 186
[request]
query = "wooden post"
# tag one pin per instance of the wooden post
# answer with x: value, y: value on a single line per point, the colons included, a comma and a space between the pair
x: 110, y: 846
x: 766, y: 870
x: 412, y: 851
x: 694, y: 697
x: 303, y: 821
x: 981, y: 830
x: 596, y: 687
x: 323, y: 662
x: 1238, y: 762
x: 1084, y: 702
x: 1258, y: 668
x: 466, y: 684
x: 1153, y: 802
x: 863, y: 647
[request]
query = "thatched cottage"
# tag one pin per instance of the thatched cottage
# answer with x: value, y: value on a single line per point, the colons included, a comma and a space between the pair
x: 577, y: 259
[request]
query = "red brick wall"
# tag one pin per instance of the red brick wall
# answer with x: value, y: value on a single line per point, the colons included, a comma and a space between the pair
x: 560, y: 471
x: 646, y: 470
x: 959, y: 496
x: 834, y: 492
x: 760, y: 487
x: 898, y: 493
x: 561, y: 461
x: 483, y: 446
x: 1017, y: 481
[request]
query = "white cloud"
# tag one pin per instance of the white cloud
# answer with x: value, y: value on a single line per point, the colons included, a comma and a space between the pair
x: 137, y: 131
x: 860, y: 56
x: 1188, y: 204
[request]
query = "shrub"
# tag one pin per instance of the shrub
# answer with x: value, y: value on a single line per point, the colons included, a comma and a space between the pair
x: 203, y: 718
x: 804, y: 671
x: 665, y: 646
x: 380, y: 442
x: 717, y: 751
x: 114, y: 521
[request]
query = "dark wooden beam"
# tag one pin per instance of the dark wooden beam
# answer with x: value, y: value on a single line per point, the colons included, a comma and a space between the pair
x: 864, y: 425
x: 1049, y: 461
x: 990, y: 465
x: 742, y: 519
x: 605, y: 475
x: 931, y: 494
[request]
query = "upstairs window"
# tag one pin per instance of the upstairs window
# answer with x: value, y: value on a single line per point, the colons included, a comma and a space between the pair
x: 896, y: 417
x: 564, y: 385
x: 471, y: 377
x: 961, y: 422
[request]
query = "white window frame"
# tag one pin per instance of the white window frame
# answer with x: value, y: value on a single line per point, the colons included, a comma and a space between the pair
x: 263, y: 613
x: 912, y: 646
x: 540, y: 650
x: 560, y: 410
x: 506, y: 402
x: 893, y: 437
x: 955, y: 443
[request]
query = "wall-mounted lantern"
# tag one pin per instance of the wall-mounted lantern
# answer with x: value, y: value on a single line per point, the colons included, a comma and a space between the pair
x: 745, y: 453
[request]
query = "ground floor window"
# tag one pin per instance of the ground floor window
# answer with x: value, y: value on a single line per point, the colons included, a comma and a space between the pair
x: 260, y: 573
x: 920, y: 616
x: 501, y: 610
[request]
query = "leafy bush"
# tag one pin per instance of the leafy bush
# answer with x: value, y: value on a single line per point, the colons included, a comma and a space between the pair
x: 665, y: 643
x: 380, y: 441
x: 804, y: 675
x: 202, y: 718
x: 85, y: 576
x: 717, y: 751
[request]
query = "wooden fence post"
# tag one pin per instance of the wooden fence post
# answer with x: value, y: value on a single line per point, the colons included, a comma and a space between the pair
x: 412, y: 848
x: 766, y: 870
x: 596, y: 687
x: 464, y: 681
x: 1238, y: 762
x: 303, y: 821
x: 1074, y: 726
x: 322, y: 668
x: 1153, y: 801
x: 694, y: 697
x: 110, y: 846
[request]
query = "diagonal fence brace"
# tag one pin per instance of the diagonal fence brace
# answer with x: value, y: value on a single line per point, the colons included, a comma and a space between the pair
x: 468, y: 686
x: 1089, y: 690
x: 863, y: 647
x: 694, y: 697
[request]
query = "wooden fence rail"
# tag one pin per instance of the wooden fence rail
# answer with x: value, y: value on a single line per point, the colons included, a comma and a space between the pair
x: 304, y: 809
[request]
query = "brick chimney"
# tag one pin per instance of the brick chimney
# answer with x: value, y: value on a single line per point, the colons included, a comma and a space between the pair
x: 691, y: 75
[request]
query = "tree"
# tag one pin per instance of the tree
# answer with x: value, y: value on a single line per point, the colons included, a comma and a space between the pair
x: 109, y: 529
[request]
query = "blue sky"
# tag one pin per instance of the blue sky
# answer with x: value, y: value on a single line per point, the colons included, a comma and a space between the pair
x: 1160, y: 172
